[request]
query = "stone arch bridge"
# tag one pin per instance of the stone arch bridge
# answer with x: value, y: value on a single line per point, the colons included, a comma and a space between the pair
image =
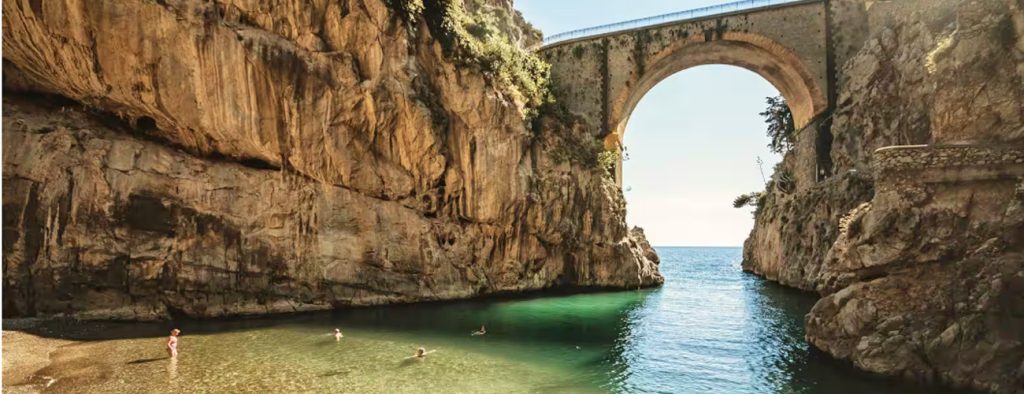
x: 601, y: 73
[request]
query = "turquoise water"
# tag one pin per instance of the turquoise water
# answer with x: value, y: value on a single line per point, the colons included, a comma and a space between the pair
x: 711, y: 328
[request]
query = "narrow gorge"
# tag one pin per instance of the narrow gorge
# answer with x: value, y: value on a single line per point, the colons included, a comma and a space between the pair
x: 204, y: 159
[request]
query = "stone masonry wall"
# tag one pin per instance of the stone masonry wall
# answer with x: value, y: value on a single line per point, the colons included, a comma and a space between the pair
x: 597, y: 77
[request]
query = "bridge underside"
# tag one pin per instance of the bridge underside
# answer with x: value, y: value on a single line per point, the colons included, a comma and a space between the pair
x: 602, y: 78
x: 775, y: 64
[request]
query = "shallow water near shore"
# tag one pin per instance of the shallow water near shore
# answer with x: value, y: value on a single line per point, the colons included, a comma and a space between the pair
x: 711, y: 328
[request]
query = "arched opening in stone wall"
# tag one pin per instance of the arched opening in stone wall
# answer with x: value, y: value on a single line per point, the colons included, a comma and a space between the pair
x: 767, y: 58
x: 772, y: 61
x: 694, y: 144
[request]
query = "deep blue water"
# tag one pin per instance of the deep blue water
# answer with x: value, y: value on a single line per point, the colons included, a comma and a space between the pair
x: 714, y: 328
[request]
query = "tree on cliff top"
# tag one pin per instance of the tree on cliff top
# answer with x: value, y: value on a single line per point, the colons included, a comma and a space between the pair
x: 781, y: 128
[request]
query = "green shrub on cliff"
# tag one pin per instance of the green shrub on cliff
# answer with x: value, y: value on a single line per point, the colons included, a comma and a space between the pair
x: 758, y: 200
x: 578, y: 149
x: 783, y: 179
x: 585, y: 151
x: 782, y: 133
x: 606, y: 161
x: 408, y: 10
x: 781, y: 128
x: 477, y: 39
x: 749, y: 199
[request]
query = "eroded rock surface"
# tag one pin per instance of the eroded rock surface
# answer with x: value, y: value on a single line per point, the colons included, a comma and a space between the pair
x: 795, y: 231
x: 917, y: 250
x: 927, y: 280
x: 279, y: 157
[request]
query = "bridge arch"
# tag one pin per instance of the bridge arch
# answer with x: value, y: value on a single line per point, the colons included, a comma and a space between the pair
x: 761, y: 55
x: 601, y: 73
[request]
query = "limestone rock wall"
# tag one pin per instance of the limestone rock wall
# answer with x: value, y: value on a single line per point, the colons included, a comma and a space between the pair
x: 908, y: 72
x: 794, y: 232
x: 278, y: 157
x: 926, y: 281
x: 916, y: 250
x: 927, y: 72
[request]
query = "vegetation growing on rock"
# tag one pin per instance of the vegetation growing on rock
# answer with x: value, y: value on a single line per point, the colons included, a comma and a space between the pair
x: 748, y: 199
x: 327, y: 162
x: 606, y: 161
x: 477, y: 39
x: 781, y: 128
x: 782, y: 135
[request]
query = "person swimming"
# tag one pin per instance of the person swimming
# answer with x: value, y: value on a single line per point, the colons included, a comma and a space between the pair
x: 337, y: 334
x: 481, y: 331
x: 172, y: 343
x: 421, y: 353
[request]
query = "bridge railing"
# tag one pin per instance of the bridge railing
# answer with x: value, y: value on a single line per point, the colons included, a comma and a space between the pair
x: 665, y: 18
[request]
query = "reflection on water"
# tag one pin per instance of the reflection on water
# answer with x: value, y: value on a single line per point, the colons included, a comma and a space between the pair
x: 172, y: 368
x: 711, y: 328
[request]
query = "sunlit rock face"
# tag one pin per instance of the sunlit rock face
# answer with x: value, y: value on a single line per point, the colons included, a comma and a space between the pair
x: 927, y: 280
x: 223, y: 158
x: 917, y: 250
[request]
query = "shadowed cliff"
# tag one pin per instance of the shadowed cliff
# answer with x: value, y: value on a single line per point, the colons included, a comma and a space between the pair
x: 225, y: 158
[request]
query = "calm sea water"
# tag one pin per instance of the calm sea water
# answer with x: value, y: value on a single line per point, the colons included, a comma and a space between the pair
x: 711, y: 328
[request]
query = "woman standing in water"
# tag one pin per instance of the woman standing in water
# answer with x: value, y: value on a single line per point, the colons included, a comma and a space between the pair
x: 172, y: 343
x: 338, y: 335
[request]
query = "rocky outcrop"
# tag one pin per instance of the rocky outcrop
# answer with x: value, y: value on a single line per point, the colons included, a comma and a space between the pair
x: 795, y: 231
x: 927, y: 280
x: 948, y: 72
x: 916, y: 249
x: 222, y: 158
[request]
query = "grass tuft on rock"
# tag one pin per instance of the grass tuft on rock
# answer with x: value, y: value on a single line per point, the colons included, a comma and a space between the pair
x: 477, y: 39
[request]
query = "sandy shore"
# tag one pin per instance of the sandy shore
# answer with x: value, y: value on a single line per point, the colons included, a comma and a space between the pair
x: 24, y: 355
x: 36, y: 358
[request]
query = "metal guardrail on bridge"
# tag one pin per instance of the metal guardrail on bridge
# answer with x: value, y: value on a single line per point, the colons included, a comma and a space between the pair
x: 657, y: 20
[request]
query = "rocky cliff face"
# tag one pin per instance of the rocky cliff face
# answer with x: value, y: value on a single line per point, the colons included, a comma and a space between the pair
x: 927, y: 280
x: 793, y: 232
x: 916, y: 249
x: 237, y: 157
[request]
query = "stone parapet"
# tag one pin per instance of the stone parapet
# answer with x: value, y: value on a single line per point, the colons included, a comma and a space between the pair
x: 946, y: 163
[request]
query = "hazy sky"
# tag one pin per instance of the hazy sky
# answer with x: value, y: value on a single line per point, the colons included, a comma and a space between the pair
x: 693, y: 140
